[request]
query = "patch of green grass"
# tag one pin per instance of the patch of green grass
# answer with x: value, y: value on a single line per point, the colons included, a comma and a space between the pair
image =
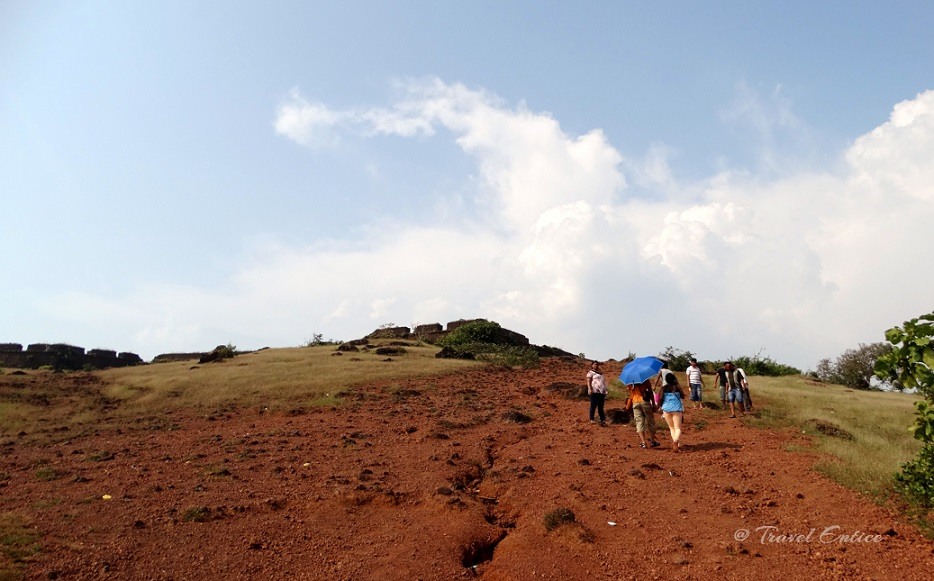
x: 878, y: 423
x: 557, y: 517
x: 219, y: 471
x: 616, y: 390
x: 19, y: 544
x: 47, y: 473
x: 102, y: 456
x: 400, y: 393
x: 327, y: 400
x: 14, y: 417
x: 47, y: 503
x: 197, y: 514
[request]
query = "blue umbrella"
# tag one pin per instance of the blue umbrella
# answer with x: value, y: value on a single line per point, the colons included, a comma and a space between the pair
x: 640, y: 369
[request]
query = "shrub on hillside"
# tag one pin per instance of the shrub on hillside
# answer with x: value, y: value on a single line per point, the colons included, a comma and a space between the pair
x: 318, y: 340
x: 220, y: 353
x: 511, y: 356
x: 916, y: 480
x: 487, y: 341
x: 508, y: 355
x: 474, y: 332
x: 759, y: 365
x: 557, y: 517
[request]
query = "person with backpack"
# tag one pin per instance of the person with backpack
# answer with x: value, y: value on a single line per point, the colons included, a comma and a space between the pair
x: 747, y: 399
x: 643, y: 413
x: 736, y: 381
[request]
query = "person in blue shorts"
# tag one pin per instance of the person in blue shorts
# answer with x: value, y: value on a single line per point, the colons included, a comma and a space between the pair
x: 736, y: 381
x: 673, y: 409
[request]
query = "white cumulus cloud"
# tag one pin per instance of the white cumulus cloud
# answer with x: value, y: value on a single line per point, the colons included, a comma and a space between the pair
x: 801, y: 264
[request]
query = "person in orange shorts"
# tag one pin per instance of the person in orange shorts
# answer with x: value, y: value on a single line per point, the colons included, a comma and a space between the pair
x: 643, y: 413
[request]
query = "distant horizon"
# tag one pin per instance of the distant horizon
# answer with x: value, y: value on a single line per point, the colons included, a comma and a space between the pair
x: 411, y: 329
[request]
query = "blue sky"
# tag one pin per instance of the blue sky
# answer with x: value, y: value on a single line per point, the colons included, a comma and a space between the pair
x: 607, y: 177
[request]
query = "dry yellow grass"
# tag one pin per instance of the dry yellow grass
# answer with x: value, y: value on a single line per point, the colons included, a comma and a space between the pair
x: 875, y: 439
x: 276, y: 379
x: 272, y: 378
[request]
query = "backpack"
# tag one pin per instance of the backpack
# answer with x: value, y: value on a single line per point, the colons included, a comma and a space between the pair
x: 647, y: 395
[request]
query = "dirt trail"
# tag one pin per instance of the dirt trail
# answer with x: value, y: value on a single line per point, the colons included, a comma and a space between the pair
x: 436, y: 479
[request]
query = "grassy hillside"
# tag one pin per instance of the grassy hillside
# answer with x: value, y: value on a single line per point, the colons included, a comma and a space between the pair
x: 862, y: 436
x: 273, y: 378
x: 277, y: 379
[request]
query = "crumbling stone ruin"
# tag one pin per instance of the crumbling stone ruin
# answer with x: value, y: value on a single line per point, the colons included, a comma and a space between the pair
x: 434, y: 332
x: 60, y: 356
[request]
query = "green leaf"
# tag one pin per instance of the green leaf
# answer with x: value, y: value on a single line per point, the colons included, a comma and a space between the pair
x: 928, y: 357
x: 894, y: 335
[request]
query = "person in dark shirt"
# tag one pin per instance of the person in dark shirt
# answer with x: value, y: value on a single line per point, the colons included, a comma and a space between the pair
x: 722, y: 381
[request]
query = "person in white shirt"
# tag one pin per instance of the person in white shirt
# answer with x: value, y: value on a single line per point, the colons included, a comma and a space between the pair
x: 696, y: 381
x: 596, y: 389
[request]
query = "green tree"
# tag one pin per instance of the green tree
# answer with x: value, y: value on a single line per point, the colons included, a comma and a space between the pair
x: 678, y: 360
x: 854, y: 367
x: 910, y: 365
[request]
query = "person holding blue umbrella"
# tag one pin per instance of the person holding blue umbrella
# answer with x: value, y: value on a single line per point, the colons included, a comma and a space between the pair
x: 638, y: 375
x: 643, y: 413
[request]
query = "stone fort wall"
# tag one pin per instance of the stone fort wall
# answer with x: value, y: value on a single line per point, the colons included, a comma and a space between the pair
x: 62, y: 356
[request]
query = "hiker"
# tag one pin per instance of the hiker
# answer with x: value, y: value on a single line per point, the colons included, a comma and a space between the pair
x: 736, y: 380
x: 747, y: 399
x: 643, y: 413
x: 596, y: 389
x: 664, y: 377
x: 673, y: 409
x: 721, y: 382
x: 696, y: 382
